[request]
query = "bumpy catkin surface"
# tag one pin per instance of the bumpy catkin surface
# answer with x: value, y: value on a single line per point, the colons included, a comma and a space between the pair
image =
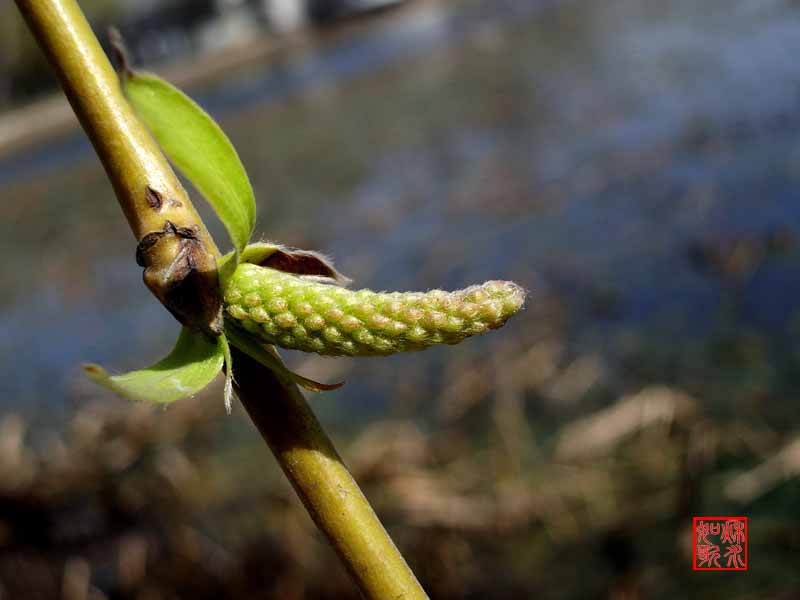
x: 301, y: 314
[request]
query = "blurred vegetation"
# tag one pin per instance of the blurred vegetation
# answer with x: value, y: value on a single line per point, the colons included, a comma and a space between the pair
x: 136, y: 502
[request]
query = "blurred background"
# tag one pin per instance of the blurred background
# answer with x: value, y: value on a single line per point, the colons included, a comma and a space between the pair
x: 633, y: 163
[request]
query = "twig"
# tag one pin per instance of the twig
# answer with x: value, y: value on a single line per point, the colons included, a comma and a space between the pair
x: 150, y: 195
x: 329, y: 492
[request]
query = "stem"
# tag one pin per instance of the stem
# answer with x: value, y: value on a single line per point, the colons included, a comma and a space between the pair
x: 329, y: 492
x: 136, y: 166
x: 180, y: 271
x: 128, y: 152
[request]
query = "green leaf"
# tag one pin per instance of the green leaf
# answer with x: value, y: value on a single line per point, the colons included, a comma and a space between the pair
x: 192, y: 365
x: 226, y: 267
x: 199, y: 148
x: 268, y: 356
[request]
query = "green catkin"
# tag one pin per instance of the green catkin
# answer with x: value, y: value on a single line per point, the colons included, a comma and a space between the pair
x: 302, y: 314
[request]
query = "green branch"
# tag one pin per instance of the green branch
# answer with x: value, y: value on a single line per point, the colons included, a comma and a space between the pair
x: 329, y: 492
x: 180, y: 261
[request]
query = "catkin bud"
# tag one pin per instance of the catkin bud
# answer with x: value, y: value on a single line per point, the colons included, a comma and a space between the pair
x: 302, y: 314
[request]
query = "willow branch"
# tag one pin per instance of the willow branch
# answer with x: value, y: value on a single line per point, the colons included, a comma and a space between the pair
x: 326, y: 487
x: 176, y: 249
x: 174, y: 245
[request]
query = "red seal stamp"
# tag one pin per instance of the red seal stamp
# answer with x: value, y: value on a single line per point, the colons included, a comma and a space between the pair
x: 719, y: 543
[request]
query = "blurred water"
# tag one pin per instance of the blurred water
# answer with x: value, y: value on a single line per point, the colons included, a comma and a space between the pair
x: 576, y: 147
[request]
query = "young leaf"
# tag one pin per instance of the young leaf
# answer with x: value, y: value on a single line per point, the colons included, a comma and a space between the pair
x: 192, y: 365
x: 268, y: 356
x: 199, y: 148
